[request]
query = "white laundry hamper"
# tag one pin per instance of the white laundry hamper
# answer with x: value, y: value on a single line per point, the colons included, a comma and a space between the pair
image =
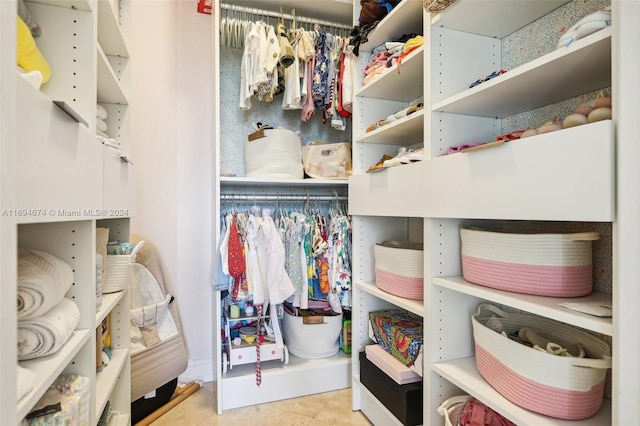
x: 312, y: 340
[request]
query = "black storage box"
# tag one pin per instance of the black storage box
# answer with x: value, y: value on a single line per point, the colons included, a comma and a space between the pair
x: 142, y: 407
x: 404, y: 401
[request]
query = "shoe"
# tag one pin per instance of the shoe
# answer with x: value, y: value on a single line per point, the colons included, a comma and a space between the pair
x: 458, y: 148
x: 376, y: 125
x: 395, y: 161
x: 379, y: 165
x: 413, y: 156
x: 487, y: 78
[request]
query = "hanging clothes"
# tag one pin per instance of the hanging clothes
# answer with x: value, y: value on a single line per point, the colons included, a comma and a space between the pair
x: 249, y: 57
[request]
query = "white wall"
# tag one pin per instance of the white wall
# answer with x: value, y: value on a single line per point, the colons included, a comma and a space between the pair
x: 171, y: 126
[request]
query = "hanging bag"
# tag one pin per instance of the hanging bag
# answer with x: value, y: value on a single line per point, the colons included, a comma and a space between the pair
x: 327, y: 161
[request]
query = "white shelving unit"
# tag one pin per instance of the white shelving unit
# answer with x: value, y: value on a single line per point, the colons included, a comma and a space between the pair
x: 584, y: 174
x: 59, y: 183
x: 387, y: 204
x: 237, y: 387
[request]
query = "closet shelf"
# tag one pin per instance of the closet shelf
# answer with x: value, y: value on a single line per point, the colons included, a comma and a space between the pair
x: 317, y: 375
x: 567, y: 175
x: 107, y: 378
x: 280, y: 183
x: 403, y: 82
x: 394, y: 192
x: 582, y: 67
x: 499, y: 18
x: 109, y: 301
x: 405, y: 18
x: 71, y: 112
x: 48, y: 368
x: 109, y: 89
x: 415, y: 306
x: 540, y: 305
x: 463, y: 373
x: 406, y: 131
x: 110, y: 35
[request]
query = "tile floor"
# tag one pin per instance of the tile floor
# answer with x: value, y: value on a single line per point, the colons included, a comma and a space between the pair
x: 330, y: 408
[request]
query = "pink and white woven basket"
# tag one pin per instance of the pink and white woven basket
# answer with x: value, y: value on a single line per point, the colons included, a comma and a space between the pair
x: 399, y: 268
x: 543, y: 264
x: 558, y: 386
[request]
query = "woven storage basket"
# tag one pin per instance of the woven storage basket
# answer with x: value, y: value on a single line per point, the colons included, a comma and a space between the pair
x: 118, y: 273
x: 399, y: 268
x: 119, y: 270
x: 557, y: 386
x: 452, y: 408
x: 543, y: 264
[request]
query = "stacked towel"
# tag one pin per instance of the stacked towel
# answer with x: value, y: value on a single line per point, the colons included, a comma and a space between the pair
x: 43, y: 280
x: 101, y: 128
x: 101, y: 124
x: 44, y: 335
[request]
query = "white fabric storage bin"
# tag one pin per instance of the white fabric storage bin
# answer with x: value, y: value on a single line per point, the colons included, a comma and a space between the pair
x: 277, y: 155
x: 312, y: 340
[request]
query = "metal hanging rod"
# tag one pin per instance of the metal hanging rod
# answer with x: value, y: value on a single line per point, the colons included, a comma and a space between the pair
x: 282, y: 197
x: 283, y: 16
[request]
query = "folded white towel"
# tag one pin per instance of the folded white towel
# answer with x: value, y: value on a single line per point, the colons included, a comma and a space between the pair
x: 26, y: 380
x: 44, y: 335
x: 101, y: 125
x: 43, y: 280
x: 101, y: 112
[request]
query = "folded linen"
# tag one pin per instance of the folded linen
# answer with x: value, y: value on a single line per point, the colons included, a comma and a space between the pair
x: 43, y: 280
x: 44, y: 335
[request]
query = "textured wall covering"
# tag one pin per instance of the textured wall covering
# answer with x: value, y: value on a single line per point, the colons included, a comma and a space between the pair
x: 525, y: 45
x: 236, y: 124
x: 538, y: 39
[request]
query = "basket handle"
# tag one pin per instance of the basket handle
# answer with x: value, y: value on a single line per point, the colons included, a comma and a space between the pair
x: 492, y: 308
x: 132, y: 255
x: 585, y: 236
x: 603, y: 363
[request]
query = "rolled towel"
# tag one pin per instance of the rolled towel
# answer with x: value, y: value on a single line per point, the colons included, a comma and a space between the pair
x: 103, y: 134
x: 101, y: 125
x: 44, y: 335
x: 101, y: 112
x: 43, y: 280
x: 26, y: 379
